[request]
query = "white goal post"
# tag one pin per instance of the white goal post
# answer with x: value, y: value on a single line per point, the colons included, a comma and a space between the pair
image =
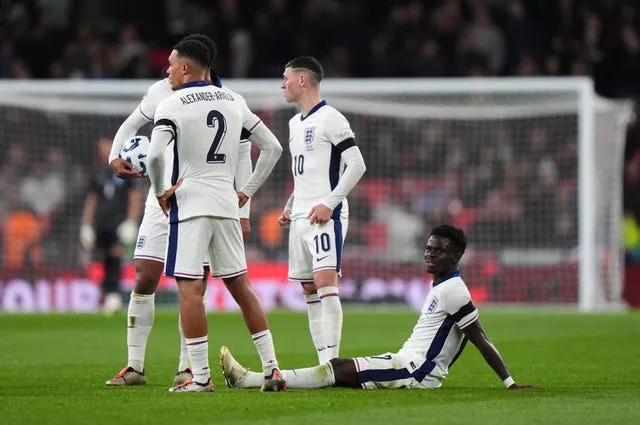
x: 530, y: 167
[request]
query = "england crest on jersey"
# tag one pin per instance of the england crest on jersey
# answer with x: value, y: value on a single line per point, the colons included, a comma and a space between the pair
x: 432, y: 305
x: 309, y: 132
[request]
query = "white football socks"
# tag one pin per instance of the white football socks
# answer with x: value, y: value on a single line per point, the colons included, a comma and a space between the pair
x: 314, y: 312
x: 184, y: 362
x: 264, y: 344
x: 320, y: 376
x: 139, y: 322
x: 331, y: 323
x: 199, y: 356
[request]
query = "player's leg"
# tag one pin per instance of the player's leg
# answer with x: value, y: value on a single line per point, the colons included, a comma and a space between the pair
x: 238, y: 376
x: 345, y: 373
x: 187, y: 246
x: 149, y: 263
x: 228, y: 263
x: 388, y: 371
x: 112, y: 251
x: 301, y: 270
x: 184, y: 365
x: 314, y: 314
x: 327, y: 242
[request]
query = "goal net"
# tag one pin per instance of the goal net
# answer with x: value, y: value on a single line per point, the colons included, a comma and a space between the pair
x: 531, y: 169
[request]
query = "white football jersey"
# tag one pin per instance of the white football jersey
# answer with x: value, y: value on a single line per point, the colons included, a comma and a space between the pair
x: 207, y: 123
x: 437, y: 336
x: 159, y: 91
x: 316, y: 161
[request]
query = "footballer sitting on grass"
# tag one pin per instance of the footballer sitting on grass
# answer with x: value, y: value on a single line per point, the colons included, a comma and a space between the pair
x: 448, y: 320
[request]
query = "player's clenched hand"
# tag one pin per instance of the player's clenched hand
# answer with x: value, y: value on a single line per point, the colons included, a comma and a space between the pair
x: 319, y: 214
x: 245, y: 226
x: 124, y: 169
x: 163, y: 200
x: 515, y: 386
x: 242, y: 199
x: 285, y: 218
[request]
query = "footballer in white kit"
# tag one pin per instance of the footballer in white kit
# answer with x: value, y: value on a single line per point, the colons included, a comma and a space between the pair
x: 153, y: 230
x: 317, y: 142
x: 203, y: 124
x: 436, y: 341
x: 448, y: 320
x: 326, y: 165
x: 205, y: 158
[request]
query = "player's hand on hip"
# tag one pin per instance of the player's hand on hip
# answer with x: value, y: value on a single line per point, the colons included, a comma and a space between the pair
x: 319, y: 214
x: 242, y: 199
x: 163, y: 200
x: 124, y: 169
x: 245, y: 226
x: 515, y: 386
x: 285, y: 218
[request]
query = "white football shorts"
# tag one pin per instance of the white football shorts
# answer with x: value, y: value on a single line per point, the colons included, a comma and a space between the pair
x: 192, y: 240
x: 315, y: 247
x: 152, y: 236
x: 394, y: 371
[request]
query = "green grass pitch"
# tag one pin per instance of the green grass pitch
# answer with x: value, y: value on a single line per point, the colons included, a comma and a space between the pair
x: 53, y: 368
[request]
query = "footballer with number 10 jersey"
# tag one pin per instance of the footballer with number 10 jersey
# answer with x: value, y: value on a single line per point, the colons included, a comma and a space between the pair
x: 317, y: 143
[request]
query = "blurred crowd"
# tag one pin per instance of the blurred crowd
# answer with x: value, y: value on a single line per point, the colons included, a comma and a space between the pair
x: 509, y: 183
x: 354, y: 38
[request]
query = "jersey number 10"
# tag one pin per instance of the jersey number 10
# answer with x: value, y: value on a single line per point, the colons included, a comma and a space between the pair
x: 215, y: 117
x: 298, y: 165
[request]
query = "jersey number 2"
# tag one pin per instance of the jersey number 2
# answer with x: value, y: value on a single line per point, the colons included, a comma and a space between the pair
x: 216, y: 118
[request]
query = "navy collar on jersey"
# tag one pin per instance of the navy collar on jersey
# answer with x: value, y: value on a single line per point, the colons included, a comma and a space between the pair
x: 455, y: 273
x: 200, y: 83
x: 315, y: 108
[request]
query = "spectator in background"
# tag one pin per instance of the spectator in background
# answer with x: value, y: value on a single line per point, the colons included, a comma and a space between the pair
x: 112, y: 209
x: 487, y: 39
x: 22, y: 235
x: 271, y: 235
x: 404, y: 227
x: 361, y: 39
x: 43, y: 190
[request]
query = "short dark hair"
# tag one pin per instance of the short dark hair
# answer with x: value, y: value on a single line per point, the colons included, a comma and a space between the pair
x: 309, y: 63
x: 452, y: 233
x: 195, y: 51
x: 207, y: 41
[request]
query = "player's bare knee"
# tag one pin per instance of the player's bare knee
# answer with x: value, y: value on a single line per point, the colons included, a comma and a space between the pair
x: 345, y: 373
x: 324, y: 278
x: 147, y: 276
x: 190, y: 290
x: 236, y: 283
x: 240, y: 289
x: 308, y: 288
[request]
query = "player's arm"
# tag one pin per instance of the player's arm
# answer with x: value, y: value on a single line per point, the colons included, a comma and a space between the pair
x: 243, y: 172
x: 342, y: 137
x: 355, y: 169
x: 474, y: 332
x: 164, y: 132
x: 285, y: 216
x: 127, y: 130
x: 270, y: 151
x: 87, y: 234
x: 128, y: 229
x: 143, y: 113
